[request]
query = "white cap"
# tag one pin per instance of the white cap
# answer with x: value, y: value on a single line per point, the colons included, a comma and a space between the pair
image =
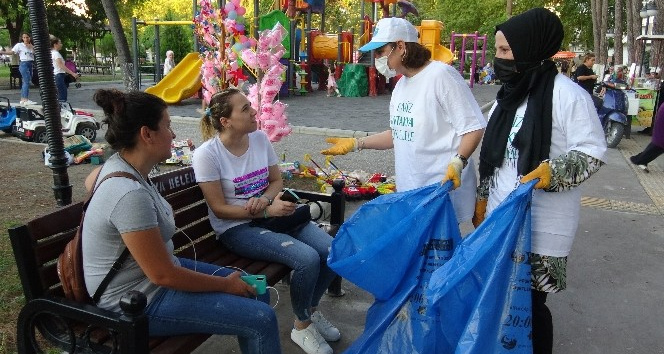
x: 389, y: 30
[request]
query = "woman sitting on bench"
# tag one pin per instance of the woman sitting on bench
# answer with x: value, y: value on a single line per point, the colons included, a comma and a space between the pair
x: 237, y: 171
x: 184, y: 296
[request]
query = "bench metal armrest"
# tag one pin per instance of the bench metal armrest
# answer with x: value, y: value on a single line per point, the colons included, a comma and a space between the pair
x: 55, y: 319
x: 337, y: 201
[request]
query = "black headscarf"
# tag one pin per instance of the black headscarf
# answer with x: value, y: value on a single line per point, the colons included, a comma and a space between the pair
x: 534, y: 37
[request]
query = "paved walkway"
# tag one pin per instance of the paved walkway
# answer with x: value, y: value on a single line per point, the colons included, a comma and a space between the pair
x: 613, y: 303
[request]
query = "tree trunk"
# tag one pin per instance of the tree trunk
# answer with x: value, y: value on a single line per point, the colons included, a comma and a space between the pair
x: 618, y: 31
x: 508, y: 9
x: 657, y: 53
x: 595, y: 14
x: 633, y: 21
x: 121, y: 45
x: 604, y: 19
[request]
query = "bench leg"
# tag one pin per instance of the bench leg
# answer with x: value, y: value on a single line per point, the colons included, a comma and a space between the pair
x: 335, y: 289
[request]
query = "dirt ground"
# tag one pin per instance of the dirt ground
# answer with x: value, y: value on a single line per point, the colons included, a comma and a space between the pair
x: 27, y: 184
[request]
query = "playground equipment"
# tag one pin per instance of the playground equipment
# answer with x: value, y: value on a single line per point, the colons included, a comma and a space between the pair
x: 429, y: 32
x: 182, y: 82
x: 462, y: 59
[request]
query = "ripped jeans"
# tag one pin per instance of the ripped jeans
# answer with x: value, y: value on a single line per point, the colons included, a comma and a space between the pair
x: 305, y: 251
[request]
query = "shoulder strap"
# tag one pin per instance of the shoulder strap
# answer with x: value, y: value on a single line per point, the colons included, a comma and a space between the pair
x: 117, y: 265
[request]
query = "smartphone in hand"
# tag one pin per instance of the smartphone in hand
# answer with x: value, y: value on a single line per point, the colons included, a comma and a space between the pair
x: 289, y: 196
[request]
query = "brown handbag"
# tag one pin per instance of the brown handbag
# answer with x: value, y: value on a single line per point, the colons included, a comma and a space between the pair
x: 70, y: 261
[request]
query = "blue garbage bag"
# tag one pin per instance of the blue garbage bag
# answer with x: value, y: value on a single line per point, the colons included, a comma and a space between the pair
x: 390, y: 247
x: 482, y: 296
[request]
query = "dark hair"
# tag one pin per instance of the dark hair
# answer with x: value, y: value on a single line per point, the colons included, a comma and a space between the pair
x: 126, y: 113
x: 54, y: 40
x: 588, y: 56
x: 220, y: 106
x: 416, y: 54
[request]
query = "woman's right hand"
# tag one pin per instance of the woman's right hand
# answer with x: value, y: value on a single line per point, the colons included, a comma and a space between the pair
x: 237, y: 286
x: 280, y: 207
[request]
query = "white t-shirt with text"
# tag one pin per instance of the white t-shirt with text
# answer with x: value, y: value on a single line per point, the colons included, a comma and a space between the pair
x: 428, y: 114
x: 575, y: 126
x: 241, y: 177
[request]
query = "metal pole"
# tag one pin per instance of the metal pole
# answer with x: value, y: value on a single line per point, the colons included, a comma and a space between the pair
x: 48, y: 92
x: 339, y: 45
x: 137, y: 76
x: 256, y: 10
x: 195, y: 8
x: 157, y: 56
x: 643, y: 50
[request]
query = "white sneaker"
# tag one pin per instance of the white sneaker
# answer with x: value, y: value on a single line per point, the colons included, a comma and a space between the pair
x: 310, y: 340
x: 28, y: 102
x: 325, y: 328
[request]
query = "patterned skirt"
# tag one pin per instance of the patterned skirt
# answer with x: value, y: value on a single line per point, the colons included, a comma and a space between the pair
x: 548, y: 273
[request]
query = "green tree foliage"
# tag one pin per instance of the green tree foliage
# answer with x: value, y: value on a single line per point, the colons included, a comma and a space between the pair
x: 179, y: 39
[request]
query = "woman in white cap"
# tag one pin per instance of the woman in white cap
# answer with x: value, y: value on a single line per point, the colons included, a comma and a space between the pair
x: 435, y: 122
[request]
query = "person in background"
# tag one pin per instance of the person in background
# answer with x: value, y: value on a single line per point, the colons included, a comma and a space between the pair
x: 544, y: 127
x: 25, y: 52
x: 332, y: 88
x: 585, y: 75
x: 169, y: 62
x: 656, y: 146
x: 435, y: 122
x: 237, y: 170
x: 184, y: 296
x: 60, y: 70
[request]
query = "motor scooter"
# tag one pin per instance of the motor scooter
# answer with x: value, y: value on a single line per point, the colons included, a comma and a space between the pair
x: 612, y: 112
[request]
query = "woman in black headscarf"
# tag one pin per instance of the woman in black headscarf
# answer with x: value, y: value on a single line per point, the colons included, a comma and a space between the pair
x: 542, y: 126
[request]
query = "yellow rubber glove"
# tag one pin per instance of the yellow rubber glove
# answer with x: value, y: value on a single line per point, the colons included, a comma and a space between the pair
x: 454, y: 169
x: 341, y: 146
x: 480, y: 212
x: 543, y: 172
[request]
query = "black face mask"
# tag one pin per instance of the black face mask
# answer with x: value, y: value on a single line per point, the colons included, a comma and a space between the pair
x: 506, y: 70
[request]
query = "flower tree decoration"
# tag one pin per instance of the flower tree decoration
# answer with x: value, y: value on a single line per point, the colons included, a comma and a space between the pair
x: 264, y: 61
x: 215, y: 31
x: 226, y: 49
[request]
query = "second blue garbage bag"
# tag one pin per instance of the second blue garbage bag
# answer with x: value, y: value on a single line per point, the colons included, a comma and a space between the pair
x: 482, y: 296
x: 390, y: 247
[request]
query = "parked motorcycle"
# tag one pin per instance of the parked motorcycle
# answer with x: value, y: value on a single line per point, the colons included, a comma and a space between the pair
x: 612, y: 112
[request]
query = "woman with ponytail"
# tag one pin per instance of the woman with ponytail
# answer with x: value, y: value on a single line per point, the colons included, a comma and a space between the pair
x: 237, y: 171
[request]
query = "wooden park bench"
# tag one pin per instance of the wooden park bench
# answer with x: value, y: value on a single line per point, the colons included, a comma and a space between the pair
x: 15, y: 77
x: 48, y: 317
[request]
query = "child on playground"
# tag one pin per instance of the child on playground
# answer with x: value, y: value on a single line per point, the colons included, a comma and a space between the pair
x: 331, y: 83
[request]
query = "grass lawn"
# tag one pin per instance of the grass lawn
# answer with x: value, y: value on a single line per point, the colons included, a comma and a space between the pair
x: 11, y: 292
x: 4, y: 74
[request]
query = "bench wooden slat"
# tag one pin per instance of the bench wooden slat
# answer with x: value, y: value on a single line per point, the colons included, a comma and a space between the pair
x: 192, y: 195
x: 178, y: 344
x: 192, y: 233
x: 57, y: 222
x: 51, y: 248
x: 188, y: 216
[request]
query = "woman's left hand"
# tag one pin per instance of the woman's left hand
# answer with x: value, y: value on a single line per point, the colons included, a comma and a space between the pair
x: 256, y: 204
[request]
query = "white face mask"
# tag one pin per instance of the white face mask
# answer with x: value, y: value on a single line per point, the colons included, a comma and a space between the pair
x: 383, y: 68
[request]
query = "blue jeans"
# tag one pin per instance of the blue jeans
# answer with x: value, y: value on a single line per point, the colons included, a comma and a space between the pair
x: 61, y: 85
x: 305, y: 251
x: 25, y: 68
x: 174, y: 312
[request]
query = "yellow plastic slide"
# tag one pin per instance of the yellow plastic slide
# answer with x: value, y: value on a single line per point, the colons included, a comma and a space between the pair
x: 181, y: 82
